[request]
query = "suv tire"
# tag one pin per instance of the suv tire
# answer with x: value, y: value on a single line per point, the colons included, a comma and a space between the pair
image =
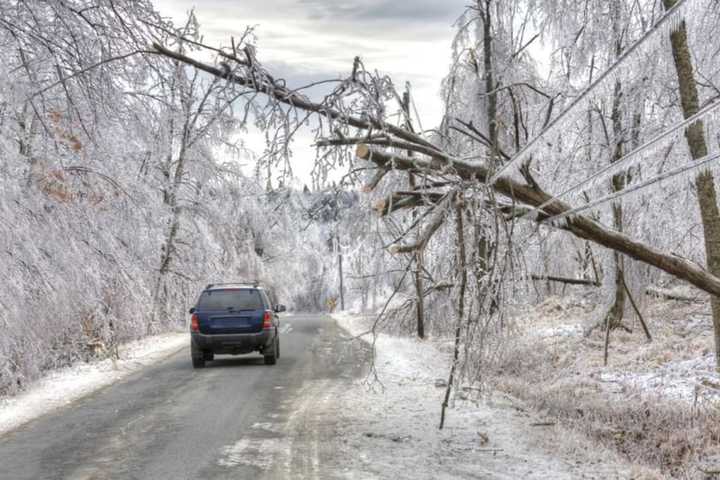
x: 198, y: 362
x: 272, y: 356
x: 198, y: 358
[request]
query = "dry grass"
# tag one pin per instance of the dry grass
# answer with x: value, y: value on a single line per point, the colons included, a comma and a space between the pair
x: 672, y: 437
x: 672, y: 428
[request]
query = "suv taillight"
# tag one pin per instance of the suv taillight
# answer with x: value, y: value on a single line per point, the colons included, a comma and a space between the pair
x: 194, y: 323
x: 267, y: 320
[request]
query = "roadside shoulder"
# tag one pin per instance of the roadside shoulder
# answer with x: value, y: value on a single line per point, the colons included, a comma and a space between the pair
x: 63, y: 386
x: 393, y: 423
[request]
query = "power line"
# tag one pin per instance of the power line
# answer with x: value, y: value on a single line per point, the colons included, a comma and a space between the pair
x: 614, y: 166
x: 688, y: 167
x: 665, y: 20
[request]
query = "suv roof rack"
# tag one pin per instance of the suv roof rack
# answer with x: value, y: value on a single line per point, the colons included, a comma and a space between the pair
x: 254, y: 283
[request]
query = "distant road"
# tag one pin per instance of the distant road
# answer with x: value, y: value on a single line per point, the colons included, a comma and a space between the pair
x: 237, y: 418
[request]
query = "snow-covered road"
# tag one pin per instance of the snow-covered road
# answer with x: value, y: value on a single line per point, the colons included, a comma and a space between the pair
x: 312, y: 416
x: 64, y: 386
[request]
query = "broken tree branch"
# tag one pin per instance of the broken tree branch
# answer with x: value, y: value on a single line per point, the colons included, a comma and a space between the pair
x: 635, y: 307
x: 436, y: 220
x: 437, y: 161
x: 580, y: 226
x: 282, y: 94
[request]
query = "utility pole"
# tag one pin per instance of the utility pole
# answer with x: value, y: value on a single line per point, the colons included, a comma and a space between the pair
x: 419, y: 300
x: 340, y: 270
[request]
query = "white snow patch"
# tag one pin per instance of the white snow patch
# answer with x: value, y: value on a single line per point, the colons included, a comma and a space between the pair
x: 686, y: 380
x: 678, y: 365
x: 559, y: 331
x: 267, y: 426
x: 260, y: 453
x: 392, y: 432
x: 63, y: 386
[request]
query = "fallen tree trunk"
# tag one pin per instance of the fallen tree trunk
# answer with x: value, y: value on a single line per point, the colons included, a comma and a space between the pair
x: 580, y: 226
x: 435, y: 161
x: 671, y: 295
x: 568, y: 281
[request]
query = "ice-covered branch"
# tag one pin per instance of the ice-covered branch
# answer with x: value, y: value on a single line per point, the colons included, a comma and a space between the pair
x: 667, y: 22
x: 580, y: 226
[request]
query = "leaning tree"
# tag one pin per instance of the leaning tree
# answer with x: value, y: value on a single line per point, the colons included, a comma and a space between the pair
x: 355, y: 115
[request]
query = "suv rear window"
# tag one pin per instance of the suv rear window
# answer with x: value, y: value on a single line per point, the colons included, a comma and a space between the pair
x: 241, y: 299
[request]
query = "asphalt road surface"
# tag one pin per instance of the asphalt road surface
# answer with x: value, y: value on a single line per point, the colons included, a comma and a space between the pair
x: 237, y: 418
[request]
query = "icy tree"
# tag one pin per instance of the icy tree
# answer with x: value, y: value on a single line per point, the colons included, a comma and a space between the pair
x: 121, y: 192
x: 541, y: 143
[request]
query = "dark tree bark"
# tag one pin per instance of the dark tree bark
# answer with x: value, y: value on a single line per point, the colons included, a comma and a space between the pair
x: 484, y: 8
x: 704, y: 182
x: 462, y: 270
x: 615, y: 314
x: 617, y: 310
x: 418, y: 254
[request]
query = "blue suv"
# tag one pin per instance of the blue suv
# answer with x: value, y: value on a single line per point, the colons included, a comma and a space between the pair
x: 234, y: 318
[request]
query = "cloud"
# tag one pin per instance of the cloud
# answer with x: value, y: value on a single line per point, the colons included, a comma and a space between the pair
x: 385, y: 11
x: 305, y: 41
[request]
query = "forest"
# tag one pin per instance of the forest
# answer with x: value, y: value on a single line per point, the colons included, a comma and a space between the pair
x: 558, y: 232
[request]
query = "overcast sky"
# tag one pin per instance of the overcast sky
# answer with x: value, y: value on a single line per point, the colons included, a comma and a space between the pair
x: 308, y: 39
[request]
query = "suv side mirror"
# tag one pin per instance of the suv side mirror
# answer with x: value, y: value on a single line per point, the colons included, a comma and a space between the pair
x: 192, y: 310
x: 280, y: 308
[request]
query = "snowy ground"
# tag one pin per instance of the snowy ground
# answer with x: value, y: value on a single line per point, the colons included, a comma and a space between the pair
x: 656, y: 402
x: 390, y: 426
x: 66, y: 385
x: 386, y: 427
x: 678, y: 365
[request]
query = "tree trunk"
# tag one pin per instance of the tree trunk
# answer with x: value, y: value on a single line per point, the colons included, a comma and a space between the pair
x: 704, y: 182
x: 615, y: 314
x: 340, y: 274
x: 491, y: 95
x: 419, y: 302
x: 418, y: 254
x: 170, y: 199
x: 168, y: 248
x: 490, y: 91
x: 462, y: 271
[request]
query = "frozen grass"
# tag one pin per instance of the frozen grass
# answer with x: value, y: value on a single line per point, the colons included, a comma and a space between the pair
x: 63, y: 386
x: 391, y: 427
x: 656, y: 403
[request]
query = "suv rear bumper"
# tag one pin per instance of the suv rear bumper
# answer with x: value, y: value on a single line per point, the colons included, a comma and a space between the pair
x: 233, y: 343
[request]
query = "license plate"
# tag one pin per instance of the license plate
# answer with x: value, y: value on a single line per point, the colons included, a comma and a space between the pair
x: 230, y: 322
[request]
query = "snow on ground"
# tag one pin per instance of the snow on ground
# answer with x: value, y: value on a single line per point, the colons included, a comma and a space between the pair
x: 677, y: 365
x: 391, y: 425
x: 686, y: 380
x: 63, y: 386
